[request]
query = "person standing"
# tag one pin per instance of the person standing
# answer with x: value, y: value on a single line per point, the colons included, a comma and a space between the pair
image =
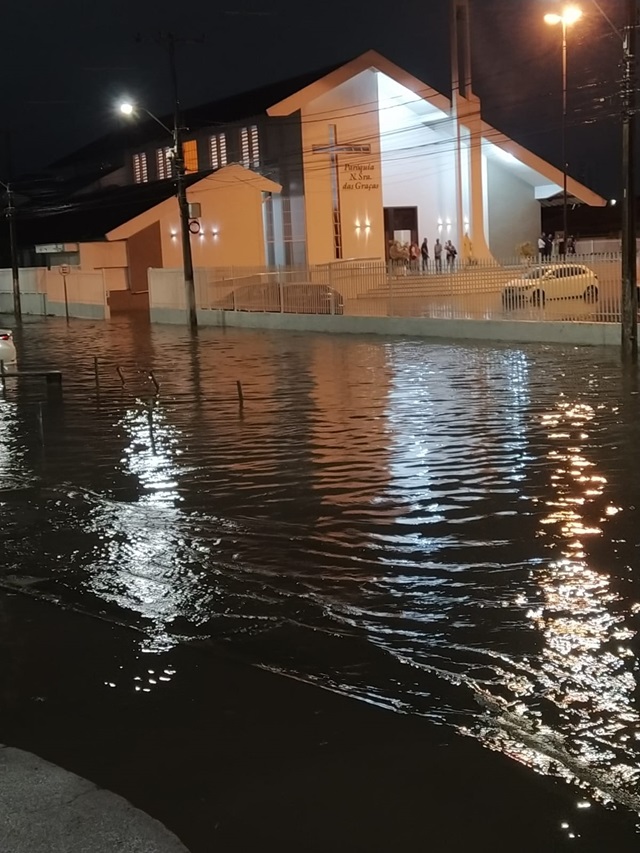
x: 451, y: 252
x: 414, y: 256
x: 424, y: 251
x: 437, y: 255
x: 542, y: 247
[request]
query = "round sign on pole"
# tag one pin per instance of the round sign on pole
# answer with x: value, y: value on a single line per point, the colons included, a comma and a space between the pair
x: 194, y: 226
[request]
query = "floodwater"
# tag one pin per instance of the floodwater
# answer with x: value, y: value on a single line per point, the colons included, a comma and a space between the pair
x: 448, y: 530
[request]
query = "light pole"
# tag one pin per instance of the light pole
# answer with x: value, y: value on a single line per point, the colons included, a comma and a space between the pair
x: 629, y: 292
x: 629, y: 310
x: 13, y: 248
x: 569, y: 15
x: 129, y: 109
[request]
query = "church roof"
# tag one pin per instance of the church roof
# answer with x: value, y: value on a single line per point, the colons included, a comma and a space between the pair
x: 230, y: 109
x: 341, y: 73
x: 91, y: 216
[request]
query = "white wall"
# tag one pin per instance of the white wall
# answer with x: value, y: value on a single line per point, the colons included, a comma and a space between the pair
x: 418, y: 164
x: 83, y: 294
x: 513, y: 214
x: 351, y: 107
x: 42, y: 292
x: 32, y: 291
x: 111, y: 258
x: 231, y: 225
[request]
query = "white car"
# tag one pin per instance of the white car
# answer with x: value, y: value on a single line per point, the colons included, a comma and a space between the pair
x: 7, y: 347
x: 555, y: 281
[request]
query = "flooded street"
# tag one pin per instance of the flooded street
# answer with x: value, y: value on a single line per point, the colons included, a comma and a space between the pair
x: 446, y: 530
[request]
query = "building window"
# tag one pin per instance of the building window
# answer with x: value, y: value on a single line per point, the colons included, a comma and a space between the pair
x: 140, y: 171
x: 250, y: 147
x: 218, y: 150
x: 164, y: 163
x: 190, y: 154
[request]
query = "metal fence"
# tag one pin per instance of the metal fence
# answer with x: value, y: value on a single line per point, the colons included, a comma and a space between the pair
x: 576, y: 288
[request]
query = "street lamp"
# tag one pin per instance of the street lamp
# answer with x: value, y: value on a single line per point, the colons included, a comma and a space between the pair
x: 129, y: 109
x: 13, y: 248
x: 569, y: 16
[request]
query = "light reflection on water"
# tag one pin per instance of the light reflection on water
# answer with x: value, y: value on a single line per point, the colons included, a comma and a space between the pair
x: 583, y: 670
x: 442, y: 529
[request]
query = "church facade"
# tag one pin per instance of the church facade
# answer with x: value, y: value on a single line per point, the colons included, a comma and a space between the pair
x: 368, y: 155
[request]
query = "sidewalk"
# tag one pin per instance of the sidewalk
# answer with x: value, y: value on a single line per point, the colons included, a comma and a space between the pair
x: 44, y: 809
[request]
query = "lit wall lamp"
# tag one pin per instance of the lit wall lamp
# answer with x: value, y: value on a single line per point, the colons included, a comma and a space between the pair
x: 448, y: 225
x: 215, y: 232
x: 174, y: 234
x: 439, y: 226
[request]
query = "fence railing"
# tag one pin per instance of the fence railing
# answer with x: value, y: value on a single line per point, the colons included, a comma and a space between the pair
x: 578, y: 288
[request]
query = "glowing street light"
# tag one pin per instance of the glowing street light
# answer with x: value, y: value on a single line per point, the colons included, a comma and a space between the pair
x: 129, y: 109
x: 569, y: 16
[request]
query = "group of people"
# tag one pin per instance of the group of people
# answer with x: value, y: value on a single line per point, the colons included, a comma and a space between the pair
x: 419, y: 257
x: 448, y: 250
x: 550, y: 244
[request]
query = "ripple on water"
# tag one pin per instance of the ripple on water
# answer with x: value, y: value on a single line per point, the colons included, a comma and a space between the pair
x: 443, y: 529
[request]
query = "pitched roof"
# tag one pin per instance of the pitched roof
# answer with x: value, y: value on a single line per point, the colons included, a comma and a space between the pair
x: 92, y: 216
x: 233, y: 174
x: 233, y: 108
x: 252, y: 103
x: 330, y: 78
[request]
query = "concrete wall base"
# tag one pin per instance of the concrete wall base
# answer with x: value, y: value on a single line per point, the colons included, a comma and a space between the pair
x: 528, y: 331
x: 80, y: 310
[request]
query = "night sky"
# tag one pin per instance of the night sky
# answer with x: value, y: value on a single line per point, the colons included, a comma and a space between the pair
x: 68, y: 67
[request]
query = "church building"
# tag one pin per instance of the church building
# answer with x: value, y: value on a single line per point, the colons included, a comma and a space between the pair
x: 365, y: 154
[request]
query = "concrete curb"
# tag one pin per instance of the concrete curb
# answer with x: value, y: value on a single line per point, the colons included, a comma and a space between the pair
x: 44, y: 809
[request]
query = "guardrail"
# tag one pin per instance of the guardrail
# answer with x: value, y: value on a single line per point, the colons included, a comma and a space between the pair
x: 578, y: 288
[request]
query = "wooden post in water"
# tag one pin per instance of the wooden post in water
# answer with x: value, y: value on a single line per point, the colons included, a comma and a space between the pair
x: 41, y: 424
x: 240, y: 394
x: 152, y: 440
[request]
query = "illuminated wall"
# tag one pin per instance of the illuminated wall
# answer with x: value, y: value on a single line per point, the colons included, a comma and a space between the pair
x: 418, y: 159
x: 512, y: 212
x: 231, y: 231
x: 344, y: 116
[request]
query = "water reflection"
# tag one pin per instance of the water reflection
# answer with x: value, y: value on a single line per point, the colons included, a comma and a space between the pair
x: 584, y: 684
x: 424, y: 526
x: 14, y: 471
x: 145, y: 562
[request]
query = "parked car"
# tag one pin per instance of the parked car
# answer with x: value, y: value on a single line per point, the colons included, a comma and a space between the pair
x: 7, y: 347
x: 297, y: 298
x: 556, y: 281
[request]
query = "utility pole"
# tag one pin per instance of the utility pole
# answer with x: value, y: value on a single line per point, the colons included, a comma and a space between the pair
x: 10, y: 212
x: 181, y: 190
x: 629, y: 253
x: 565, y: 165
